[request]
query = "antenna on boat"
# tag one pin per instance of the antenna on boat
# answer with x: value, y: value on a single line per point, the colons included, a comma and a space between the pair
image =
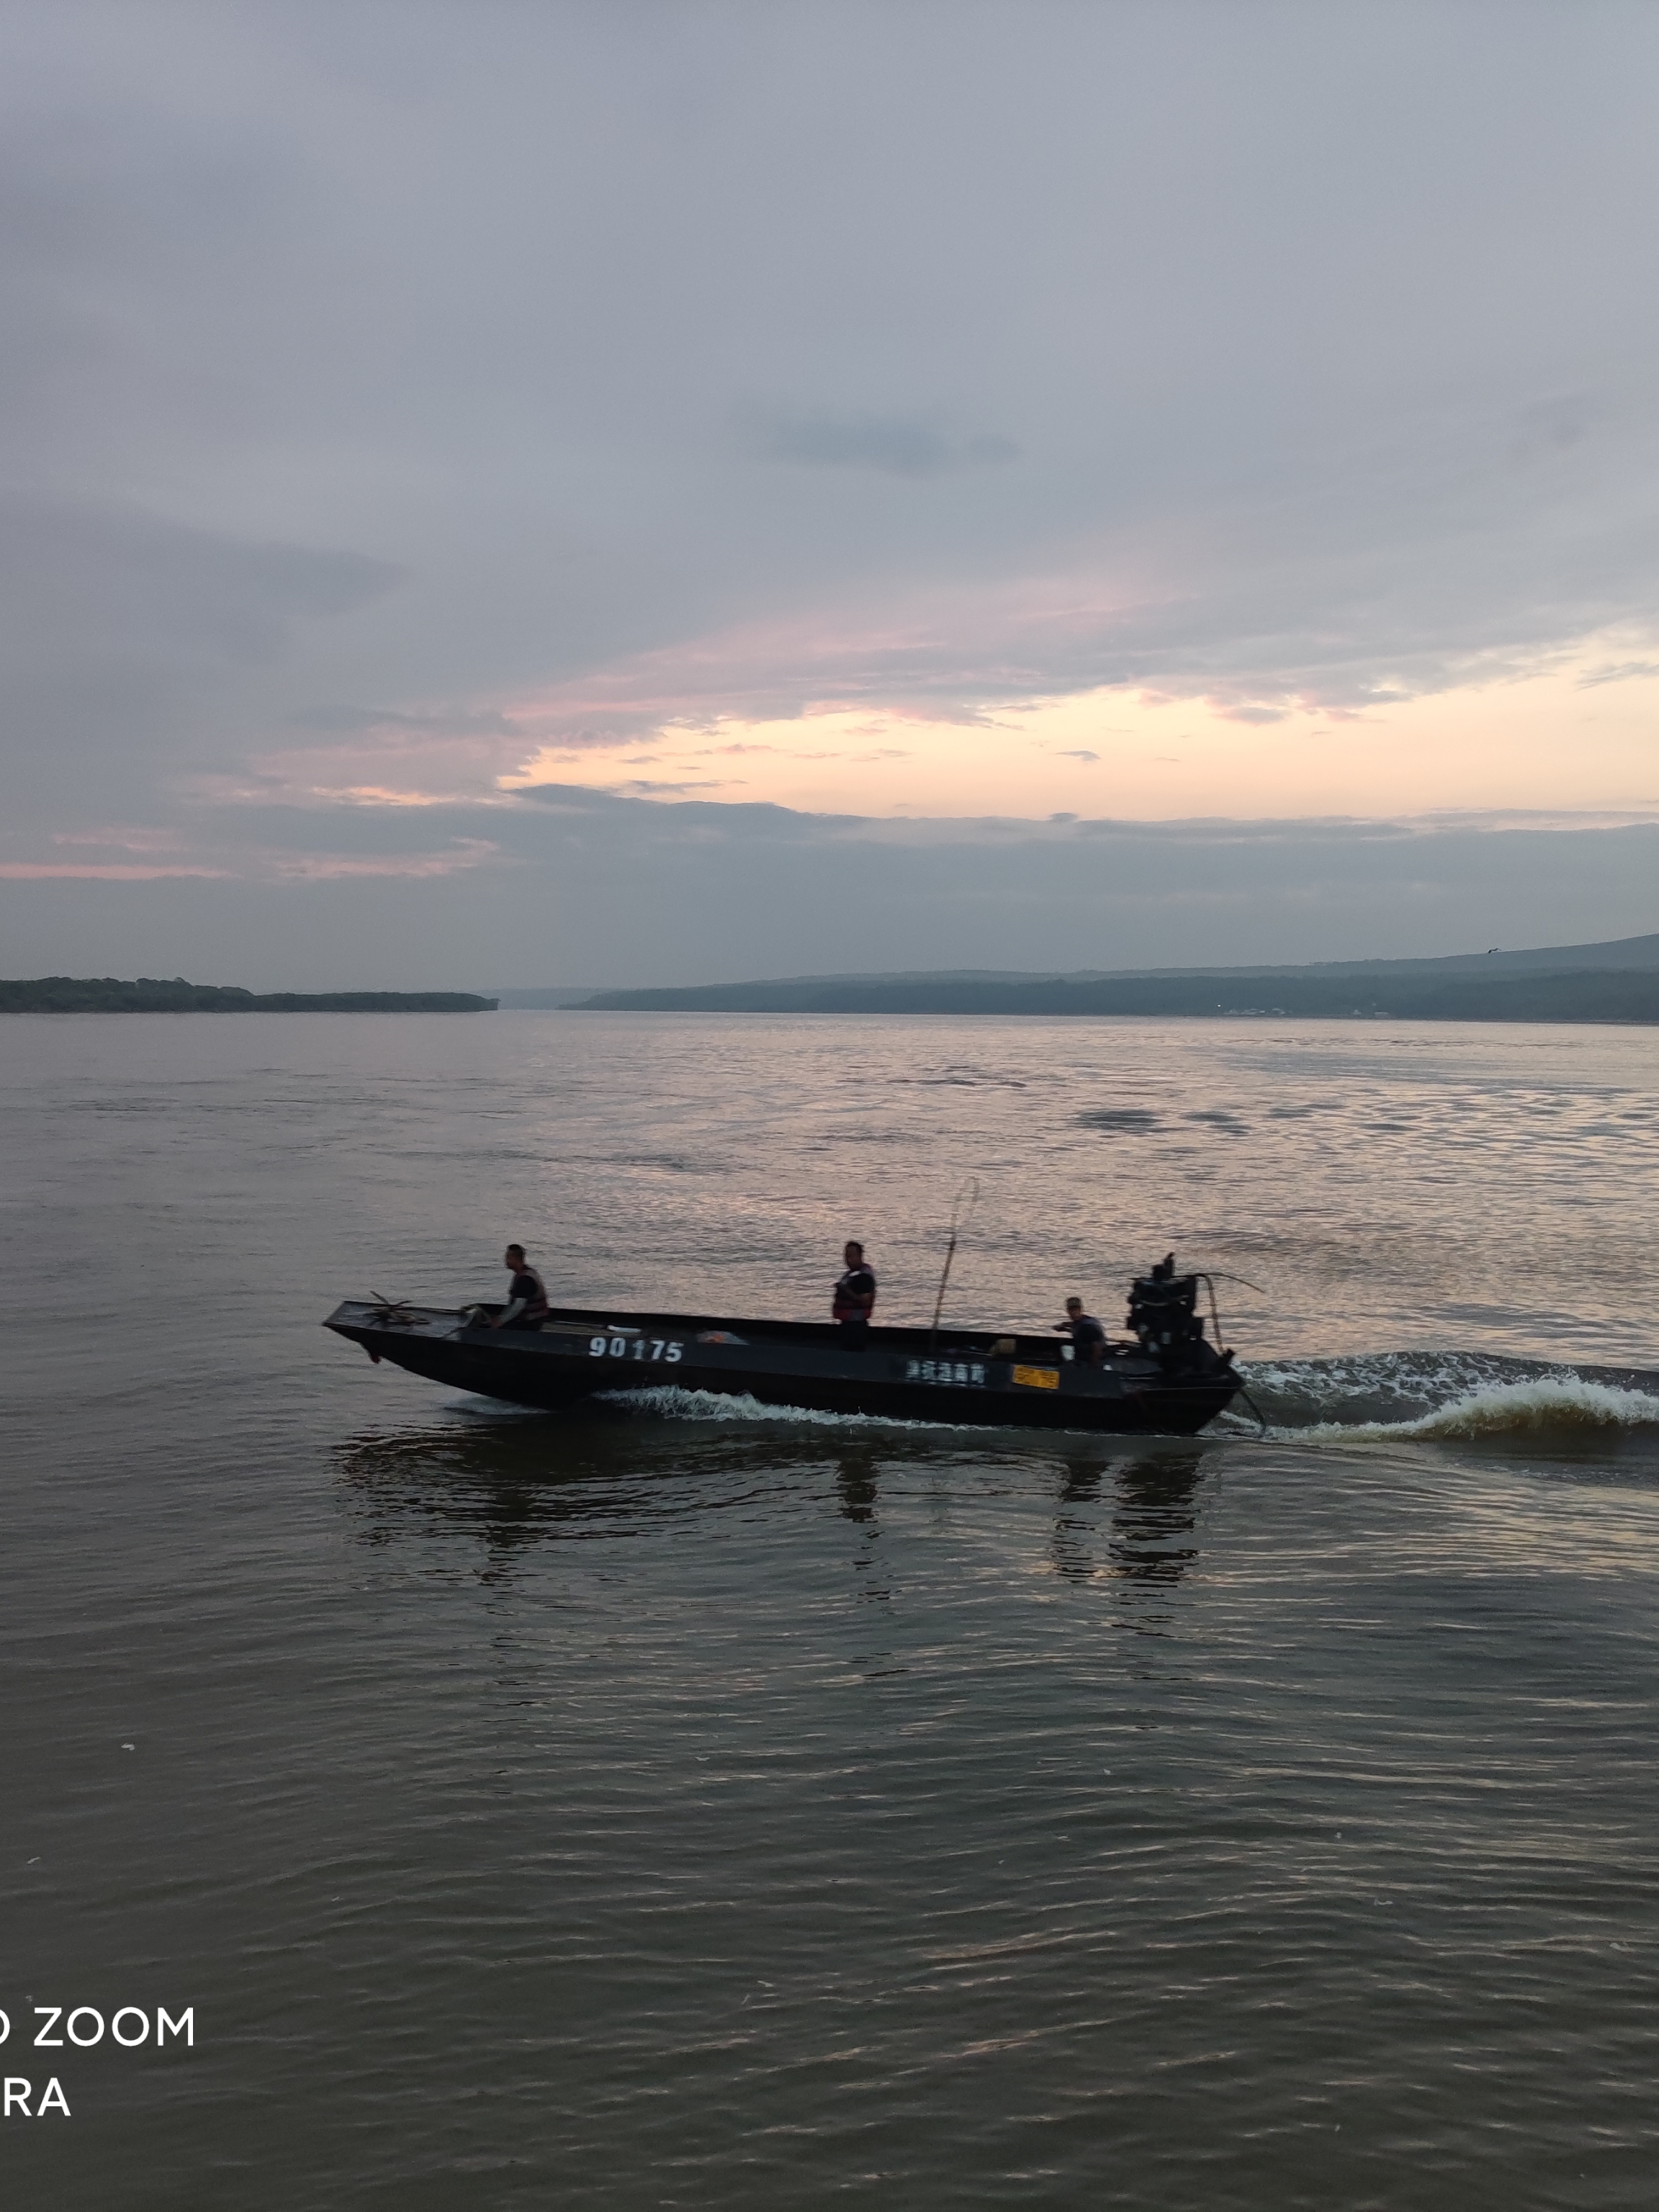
x: 961, y: 1213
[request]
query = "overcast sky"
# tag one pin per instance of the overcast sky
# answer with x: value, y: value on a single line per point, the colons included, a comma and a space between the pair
x: 541, y: 493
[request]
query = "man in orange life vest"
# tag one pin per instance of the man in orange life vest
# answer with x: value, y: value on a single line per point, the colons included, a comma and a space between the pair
x: 855, y: 1297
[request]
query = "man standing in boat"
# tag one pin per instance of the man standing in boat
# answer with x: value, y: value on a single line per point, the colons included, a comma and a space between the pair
x: 855, y: 1297
x: 526, y: 1305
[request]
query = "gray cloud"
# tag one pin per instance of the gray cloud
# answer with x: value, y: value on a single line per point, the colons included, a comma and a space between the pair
x: 134, y: 585
x: 123, y: 633
x: 392, y: 356
x: 346, y: 721
x: 893, y: 445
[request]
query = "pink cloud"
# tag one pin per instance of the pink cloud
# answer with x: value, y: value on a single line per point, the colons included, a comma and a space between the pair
x: 949, y: 657
x: 272, y: 863
x: 95, y: 870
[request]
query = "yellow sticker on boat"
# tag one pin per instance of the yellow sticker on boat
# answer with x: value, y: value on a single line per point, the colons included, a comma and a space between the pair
x: 1038, y: 1378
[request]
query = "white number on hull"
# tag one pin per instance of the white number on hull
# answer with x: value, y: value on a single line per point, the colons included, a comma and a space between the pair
x: 634, y: 1347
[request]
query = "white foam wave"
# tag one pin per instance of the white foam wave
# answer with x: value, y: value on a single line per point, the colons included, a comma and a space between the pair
x: 670, y: 1402
x: 1545, y: 1404
x: 1412, y: 1376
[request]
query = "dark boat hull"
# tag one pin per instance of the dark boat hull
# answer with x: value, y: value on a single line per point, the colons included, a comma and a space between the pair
x: 964, y: 1378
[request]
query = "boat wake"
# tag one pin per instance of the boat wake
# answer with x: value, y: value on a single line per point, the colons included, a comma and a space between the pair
x: 1510, y: 1409
x: 667, y: 1401
x: 1453, y: 1396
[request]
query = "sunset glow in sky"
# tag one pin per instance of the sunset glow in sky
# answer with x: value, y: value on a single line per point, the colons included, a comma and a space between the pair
x: 1568, y: 741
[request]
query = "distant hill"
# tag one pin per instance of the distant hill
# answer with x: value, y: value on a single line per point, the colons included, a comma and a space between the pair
x: 1614, y: 982
x: 1640, y: 953
x: 552, y: 994
x: 106, y: 995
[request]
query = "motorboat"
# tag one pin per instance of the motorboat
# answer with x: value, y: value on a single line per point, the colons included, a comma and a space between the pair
x: 1166, y: 1377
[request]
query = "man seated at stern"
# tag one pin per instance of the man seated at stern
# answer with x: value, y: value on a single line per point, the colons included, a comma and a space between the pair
x: 527, y: 1299
x: 855, y: 1297
x: 1088, y: 1337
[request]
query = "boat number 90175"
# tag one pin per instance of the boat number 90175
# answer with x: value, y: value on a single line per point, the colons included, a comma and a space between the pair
x: 634, y: 1347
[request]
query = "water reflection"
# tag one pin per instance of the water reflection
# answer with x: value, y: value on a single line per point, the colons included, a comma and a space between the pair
x: 515, y: 1483
x: 1154, y: 1511
x: 1072, y: 1547
x: 511, y: 1525
x: 855, y: 1481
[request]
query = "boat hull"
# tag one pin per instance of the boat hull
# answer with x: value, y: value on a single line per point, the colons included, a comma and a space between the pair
x: 961, y: 1379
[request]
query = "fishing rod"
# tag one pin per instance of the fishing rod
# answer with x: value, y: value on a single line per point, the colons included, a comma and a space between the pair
x: 960, y: 1214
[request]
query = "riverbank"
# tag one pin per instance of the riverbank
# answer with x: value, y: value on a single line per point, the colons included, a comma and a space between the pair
x: 107, y: 995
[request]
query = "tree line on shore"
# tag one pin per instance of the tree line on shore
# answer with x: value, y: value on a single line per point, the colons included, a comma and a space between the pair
x: 148, y: 994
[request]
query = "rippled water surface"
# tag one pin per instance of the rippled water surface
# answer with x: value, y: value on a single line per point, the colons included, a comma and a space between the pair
x: 647, y: 1808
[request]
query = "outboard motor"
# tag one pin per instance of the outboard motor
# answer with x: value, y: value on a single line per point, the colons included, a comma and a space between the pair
x: 1164, y: 1314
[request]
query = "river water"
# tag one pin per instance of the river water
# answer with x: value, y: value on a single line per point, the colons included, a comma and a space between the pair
x: 639, y: 1808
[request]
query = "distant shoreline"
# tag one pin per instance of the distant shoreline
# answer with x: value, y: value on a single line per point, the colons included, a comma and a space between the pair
x: 108, y: 994
x: 1599, y: 996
